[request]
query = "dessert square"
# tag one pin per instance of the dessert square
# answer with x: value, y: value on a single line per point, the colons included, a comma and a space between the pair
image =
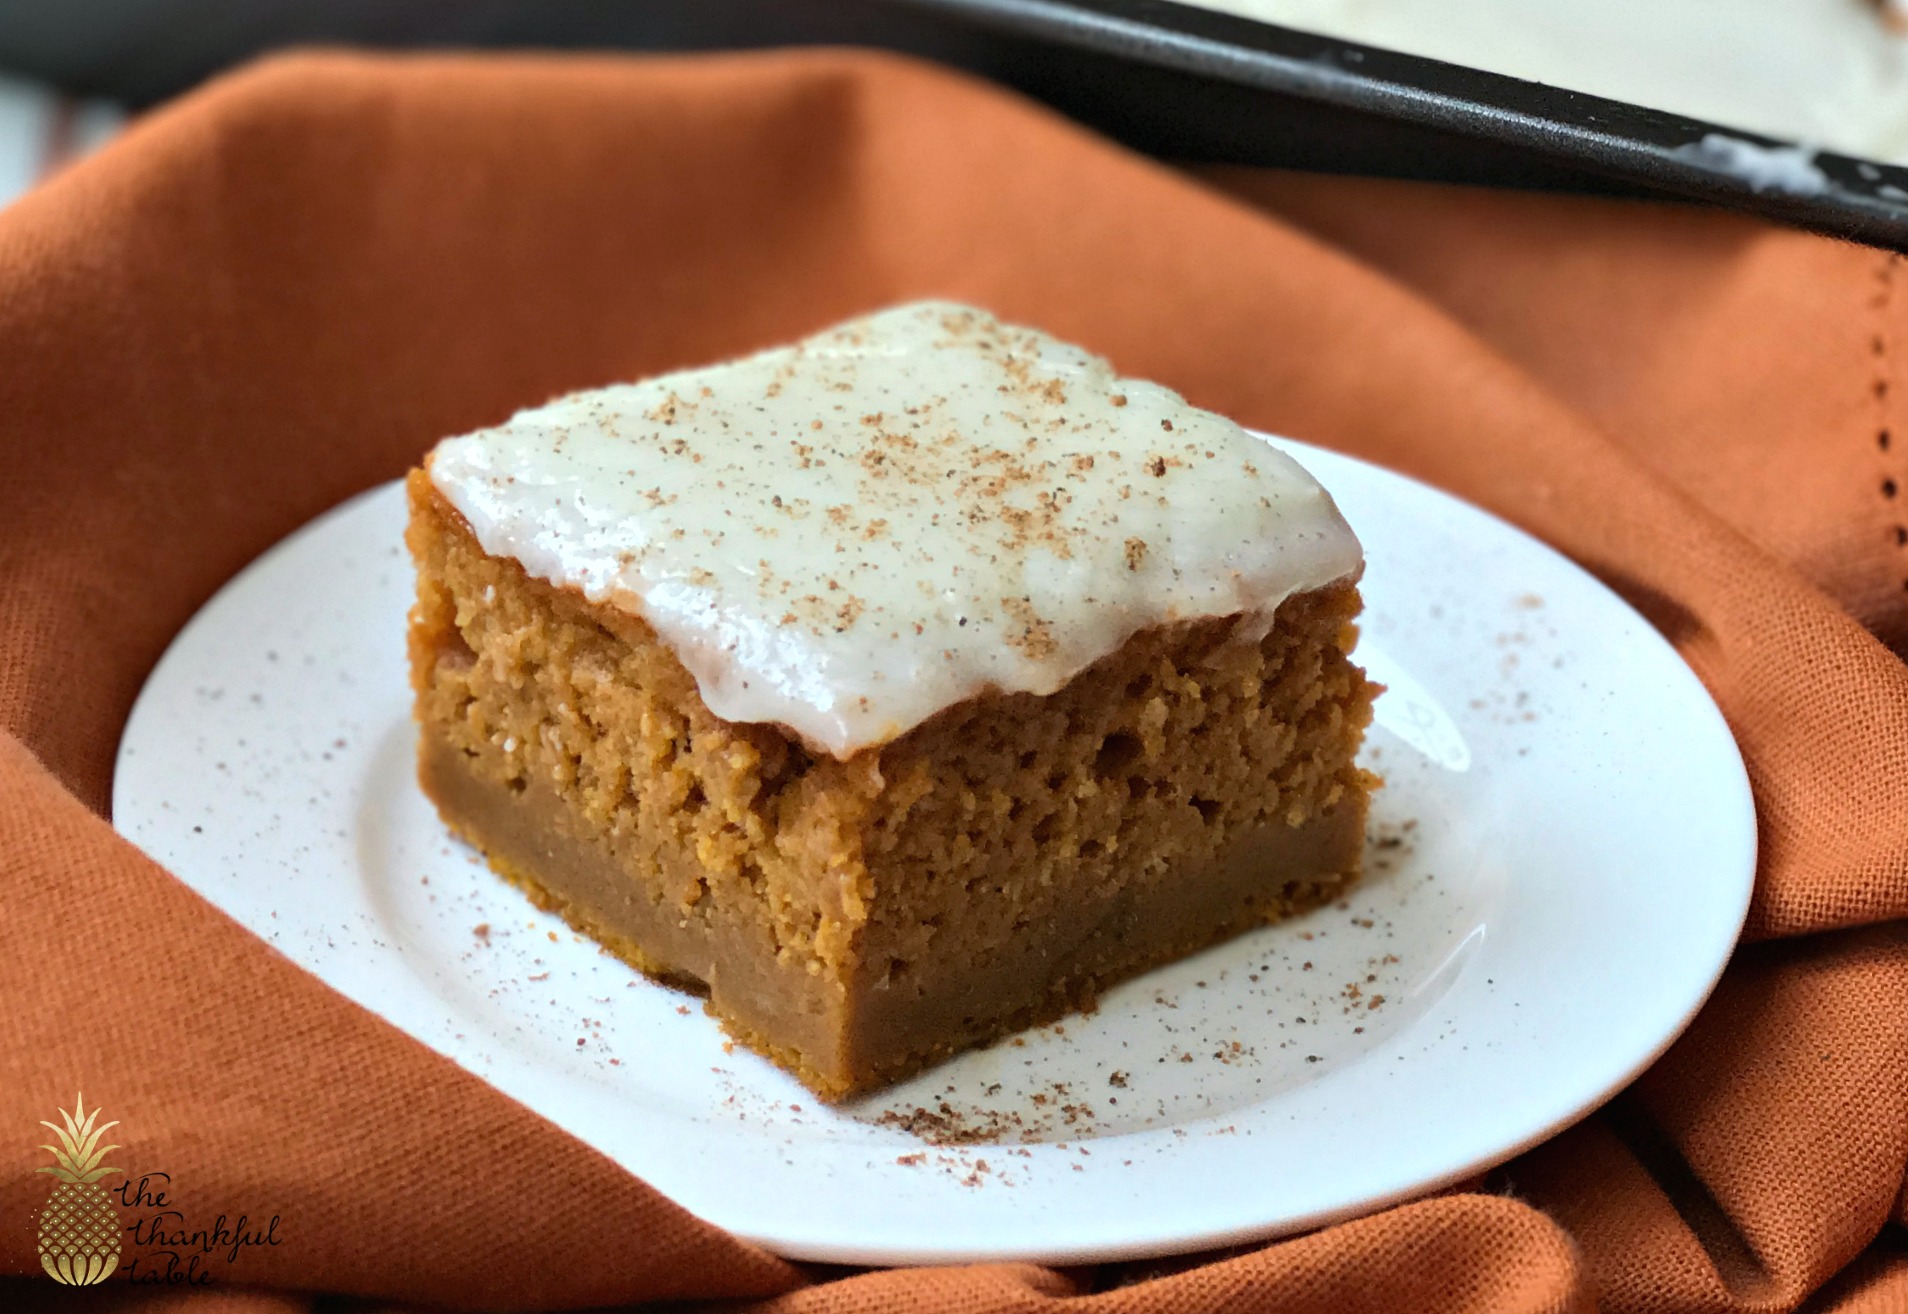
x: 896, y: 689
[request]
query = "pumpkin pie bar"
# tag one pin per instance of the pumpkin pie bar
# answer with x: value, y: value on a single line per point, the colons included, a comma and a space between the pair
x: 895, y: 689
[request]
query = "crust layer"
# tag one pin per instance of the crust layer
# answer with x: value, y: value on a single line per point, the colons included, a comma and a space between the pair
x: 840, y: 1035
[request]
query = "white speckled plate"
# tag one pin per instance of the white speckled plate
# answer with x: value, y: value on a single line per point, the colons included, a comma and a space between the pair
x: 1560, y: 862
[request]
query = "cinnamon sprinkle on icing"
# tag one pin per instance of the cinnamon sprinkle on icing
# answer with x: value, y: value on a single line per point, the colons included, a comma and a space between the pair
x: 847, y: 535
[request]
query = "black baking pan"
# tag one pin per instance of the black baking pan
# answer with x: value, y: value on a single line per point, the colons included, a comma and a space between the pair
x: 1196, y: 84
x: 1176, y: 81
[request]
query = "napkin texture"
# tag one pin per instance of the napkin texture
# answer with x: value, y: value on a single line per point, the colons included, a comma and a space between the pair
x: 283, y: 289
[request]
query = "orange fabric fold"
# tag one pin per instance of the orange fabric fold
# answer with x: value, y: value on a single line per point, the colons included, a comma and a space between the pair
x: 282, y: 289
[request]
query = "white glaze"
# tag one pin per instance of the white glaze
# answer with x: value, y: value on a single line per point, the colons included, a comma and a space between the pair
x: 1829, y: 73
x: 1788, y: 169
x: 846, y: 536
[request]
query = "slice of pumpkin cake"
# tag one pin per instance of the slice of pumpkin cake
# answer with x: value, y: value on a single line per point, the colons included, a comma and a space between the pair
x: 897, y: 688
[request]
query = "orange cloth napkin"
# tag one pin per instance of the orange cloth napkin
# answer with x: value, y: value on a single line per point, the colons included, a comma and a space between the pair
x: 283, y: 289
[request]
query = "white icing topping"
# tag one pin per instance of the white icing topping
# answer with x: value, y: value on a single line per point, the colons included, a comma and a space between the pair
x: 848, y: 535
x: 1790, y: 169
